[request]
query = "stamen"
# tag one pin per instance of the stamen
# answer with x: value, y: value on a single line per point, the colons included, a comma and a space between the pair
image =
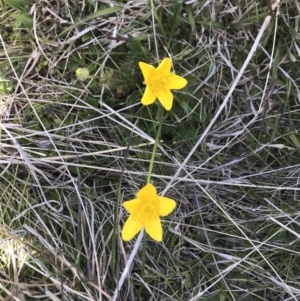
x: 157, y: 84
x: 148, y: 211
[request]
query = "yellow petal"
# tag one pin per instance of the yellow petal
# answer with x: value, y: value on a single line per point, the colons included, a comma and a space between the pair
x: 131, y: 205
x: 166, y: 205
x: 166, y: 99
x: 146, y: 191
x: 154, y: 229
x: 147, y: 70
x: 148, y: 97
x: 130, y: 229
x: 164, y: 67
x: 176, y: 81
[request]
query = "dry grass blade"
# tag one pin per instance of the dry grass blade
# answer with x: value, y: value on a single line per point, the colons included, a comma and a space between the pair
x: 228, y: 153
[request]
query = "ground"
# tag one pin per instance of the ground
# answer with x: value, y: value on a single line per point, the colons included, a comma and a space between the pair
x: 73, y: 148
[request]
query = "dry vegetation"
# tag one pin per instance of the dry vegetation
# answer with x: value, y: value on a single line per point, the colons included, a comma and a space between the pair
x: 229, y: 151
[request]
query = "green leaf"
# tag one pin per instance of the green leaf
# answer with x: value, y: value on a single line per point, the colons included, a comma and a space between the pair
x: 17, y: 4
x: 133, y: 98
x: 135, y: 47
x: 21, y: 21
x: 174, y: 21
x: 97, y: 14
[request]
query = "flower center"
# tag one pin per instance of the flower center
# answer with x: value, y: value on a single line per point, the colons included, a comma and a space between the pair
x: 157, y: 84
x: 149, y: 209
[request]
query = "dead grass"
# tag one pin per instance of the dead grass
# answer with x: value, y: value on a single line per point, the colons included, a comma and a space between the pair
x: 229, y: 153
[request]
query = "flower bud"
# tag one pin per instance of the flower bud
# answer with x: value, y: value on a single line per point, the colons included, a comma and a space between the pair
x: 82, y: 74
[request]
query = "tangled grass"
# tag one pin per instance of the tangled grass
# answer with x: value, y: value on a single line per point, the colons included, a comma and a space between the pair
x: 229, y: 150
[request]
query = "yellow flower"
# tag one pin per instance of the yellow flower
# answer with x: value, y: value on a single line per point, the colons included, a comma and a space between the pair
x: 159, y: 81
x: 145, y: 211
x: 82, y: 74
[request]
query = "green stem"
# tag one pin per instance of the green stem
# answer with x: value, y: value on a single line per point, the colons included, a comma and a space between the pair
x: 155, y: 146
x: 149, y: 179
